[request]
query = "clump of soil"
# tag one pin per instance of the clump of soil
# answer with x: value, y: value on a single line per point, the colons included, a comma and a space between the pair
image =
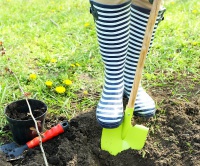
x: 19, y: 110
x: 173, y: 139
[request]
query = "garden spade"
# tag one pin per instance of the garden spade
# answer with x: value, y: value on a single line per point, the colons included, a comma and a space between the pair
x: 13, y: 151
x: 127, y: 135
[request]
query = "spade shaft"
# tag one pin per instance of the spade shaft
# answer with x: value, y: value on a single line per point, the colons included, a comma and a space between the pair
x: 141, y: 62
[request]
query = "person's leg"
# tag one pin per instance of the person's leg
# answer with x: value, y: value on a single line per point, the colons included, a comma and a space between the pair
x: 112, y: 20
x: 145, y: 3
x: 111, y: 2
x: 144, y: 104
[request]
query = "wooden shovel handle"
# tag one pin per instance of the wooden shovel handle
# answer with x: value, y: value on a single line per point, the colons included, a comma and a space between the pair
x: 146, y: 43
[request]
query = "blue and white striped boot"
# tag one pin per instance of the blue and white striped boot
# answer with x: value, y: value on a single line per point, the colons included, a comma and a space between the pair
x: 144, y: 104
x: 112, y: 26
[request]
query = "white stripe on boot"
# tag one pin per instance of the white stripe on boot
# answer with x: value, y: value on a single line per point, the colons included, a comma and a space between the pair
x: 112, y: 26
x: 144, y: 104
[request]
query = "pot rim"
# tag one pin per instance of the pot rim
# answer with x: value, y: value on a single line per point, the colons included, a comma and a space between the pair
x: 28, y: 119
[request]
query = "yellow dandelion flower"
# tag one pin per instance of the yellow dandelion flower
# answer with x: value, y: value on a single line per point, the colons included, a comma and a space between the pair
x: 72, y: 65
x: 194, y: 43
x: 172, y: 3
x: 67, y: 82
x: 86, y: 24
x: 77, y: 64
x: 194, y: 11
x: 32, y: 76
x: 49, y: 83
x: 53, y: 60
x: 60, y: 89
x: 85, y: 92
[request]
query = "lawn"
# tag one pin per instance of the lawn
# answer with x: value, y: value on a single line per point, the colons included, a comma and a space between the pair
x: 52, y: 42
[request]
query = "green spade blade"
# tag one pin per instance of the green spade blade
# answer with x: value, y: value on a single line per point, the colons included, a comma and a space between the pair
x: 124, y: 137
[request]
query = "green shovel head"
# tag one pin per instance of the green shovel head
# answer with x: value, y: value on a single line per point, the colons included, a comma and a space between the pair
x: 134, y: 138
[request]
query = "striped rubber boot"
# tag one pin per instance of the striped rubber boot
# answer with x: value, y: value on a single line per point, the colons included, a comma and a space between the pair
x: 144, y: 104
x: 112, y: 26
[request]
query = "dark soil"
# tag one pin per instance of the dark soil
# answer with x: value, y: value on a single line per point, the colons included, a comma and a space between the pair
x: 174, y: 139
x: 19, y: 110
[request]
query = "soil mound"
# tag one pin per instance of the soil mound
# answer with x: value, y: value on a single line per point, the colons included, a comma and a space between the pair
x: 174, y: 139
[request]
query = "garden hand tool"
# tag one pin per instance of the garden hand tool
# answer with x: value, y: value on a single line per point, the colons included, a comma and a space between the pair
x: 127, y: 136
x: 14, y: 151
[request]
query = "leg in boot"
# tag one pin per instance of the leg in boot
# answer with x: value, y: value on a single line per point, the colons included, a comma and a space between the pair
x: 145, y: 3
x: 144, y: 104
x: 112, y: 26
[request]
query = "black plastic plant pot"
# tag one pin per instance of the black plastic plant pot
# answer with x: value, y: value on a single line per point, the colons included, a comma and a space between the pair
x: 20, y: 121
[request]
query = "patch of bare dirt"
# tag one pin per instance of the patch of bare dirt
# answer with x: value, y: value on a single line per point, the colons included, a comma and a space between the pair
x: 174, y: 139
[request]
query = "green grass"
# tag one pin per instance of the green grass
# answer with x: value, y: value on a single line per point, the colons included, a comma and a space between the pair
x: 176, y: 47
x: 35, y: 32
